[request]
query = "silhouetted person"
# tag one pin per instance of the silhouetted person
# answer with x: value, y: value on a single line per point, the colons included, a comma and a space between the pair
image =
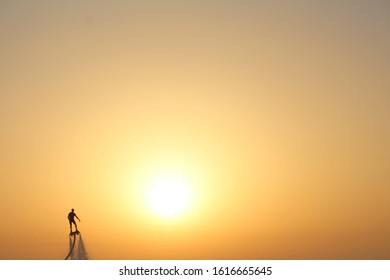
x: 71, y: 216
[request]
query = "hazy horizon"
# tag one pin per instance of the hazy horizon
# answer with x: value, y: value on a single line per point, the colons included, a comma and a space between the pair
x: 272, y: 118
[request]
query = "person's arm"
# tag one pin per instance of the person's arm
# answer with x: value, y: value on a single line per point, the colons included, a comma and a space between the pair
x: 77, y: 217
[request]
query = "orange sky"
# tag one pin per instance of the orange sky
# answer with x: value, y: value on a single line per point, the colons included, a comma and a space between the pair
x: 276, y: 114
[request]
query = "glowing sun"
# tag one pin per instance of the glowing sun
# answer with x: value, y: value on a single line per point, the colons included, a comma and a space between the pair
x: 168, y: 195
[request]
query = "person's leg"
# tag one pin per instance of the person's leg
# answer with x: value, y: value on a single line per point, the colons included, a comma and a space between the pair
x: 70, y: 224
x: 75, y: 225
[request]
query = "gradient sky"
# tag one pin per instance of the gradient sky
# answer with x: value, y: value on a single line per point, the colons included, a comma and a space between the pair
x: 276, y: 112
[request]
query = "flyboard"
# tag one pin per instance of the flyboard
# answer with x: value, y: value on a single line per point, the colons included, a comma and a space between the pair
x: 72, y: 234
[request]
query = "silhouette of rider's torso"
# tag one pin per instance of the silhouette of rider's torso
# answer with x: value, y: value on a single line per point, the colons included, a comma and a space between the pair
x: 71, y: 216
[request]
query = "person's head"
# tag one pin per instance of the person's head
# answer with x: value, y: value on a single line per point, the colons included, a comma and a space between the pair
x: 72, y: 210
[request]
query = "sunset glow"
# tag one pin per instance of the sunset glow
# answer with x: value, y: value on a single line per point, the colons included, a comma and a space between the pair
x: 168, y: 195
x: 196, y: 129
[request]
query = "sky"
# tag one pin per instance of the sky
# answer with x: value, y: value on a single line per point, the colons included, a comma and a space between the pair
x: 273, y: 116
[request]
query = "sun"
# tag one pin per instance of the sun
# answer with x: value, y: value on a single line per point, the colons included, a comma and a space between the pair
x: 168, y: 195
